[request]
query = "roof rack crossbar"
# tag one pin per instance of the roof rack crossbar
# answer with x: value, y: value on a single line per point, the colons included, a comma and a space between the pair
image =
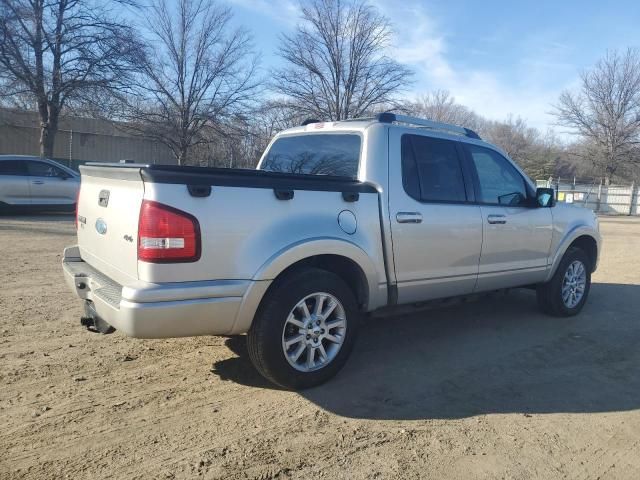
x: 388, y: 117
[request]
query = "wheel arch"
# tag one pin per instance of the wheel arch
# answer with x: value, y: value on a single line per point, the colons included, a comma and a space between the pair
x: 337, y: 255
x: 344, y: 267
x: 589, y: 245
x: 582, y: 237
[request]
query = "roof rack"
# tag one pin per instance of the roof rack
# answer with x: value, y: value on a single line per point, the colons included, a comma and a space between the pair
x: 389, y: 117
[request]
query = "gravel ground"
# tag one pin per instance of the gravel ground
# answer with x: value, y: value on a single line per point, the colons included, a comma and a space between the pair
x: 488, y: 389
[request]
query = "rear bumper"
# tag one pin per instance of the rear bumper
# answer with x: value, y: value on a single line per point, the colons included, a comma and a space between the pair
x: 146, y: 310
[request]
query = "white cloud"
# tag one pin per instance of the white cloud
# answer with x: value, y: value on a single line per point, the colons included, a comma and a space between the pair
x: 522, y: 89
x: 527, y: 88
x: 286, y: 12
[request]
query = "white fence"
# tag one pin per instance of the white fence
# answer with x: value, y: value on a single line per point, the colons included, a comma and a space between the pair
x: 611, y: 199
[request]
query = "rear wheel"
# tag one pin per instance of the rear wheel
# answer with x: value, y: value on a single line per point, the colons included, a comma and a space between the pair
x: 304, y: 330
x: 5, y: 208
x: 567, y: 291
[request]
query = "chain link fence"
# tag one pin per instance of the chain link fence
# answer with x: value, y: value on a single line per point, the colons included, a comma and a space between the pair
x: 601, y: 198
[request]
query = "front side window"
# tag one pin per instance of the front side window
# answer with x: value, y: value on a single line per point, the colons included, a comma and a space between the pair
x: 43, y: 169
x: 315, y: 154
x: 500, y: 183
x: 12, y: 167
x: 431, y: 169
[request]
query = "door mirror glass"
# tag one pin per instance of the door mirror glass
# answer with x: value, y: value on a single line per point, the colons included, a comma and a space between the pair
x: 545, y: 197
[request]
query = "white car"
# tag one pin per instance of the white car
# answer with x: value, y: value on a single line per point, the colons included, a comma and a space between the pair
x: 36, y: 183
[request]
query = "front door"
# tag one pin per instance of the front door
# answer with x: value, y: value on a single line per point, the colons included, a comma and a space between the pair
x: 436, y: 229
x: 516, y: 234
x: 50, y: 185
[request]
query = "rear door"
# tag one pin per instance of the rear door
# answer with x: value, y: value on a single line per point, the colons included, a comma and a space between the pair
x: 50, y: 185
x: 436, y: 227
x: 14, y: 183
x: 516, y: 234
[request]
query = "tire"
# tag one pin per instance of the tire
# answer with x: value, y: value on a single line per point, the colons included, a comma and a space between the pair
x: 272, y: 328
x: 5, y: 208
x: 550, y: 294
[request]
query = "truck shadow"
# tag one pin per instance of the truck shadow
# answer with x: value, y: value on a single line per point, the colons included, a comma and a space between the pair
x: 37, y: 215
x: 55, y: 224
x: 495, y: 355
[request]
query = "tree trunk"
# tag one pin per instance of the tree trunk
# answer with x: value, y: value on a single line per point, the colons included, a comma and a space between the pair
x: 48, y: 129
x: 47, y: 140
x: 182, y: 155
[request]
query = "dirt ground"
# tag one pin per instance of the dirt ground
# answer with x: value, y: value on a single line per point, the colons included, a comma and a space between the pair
x: 489, y: 389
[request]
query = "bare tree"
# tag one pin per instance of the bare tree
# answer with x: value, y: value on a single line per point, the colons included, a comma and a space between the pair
x: 336, y: 61
x: 513, y: 135
x: 536, y: 153
x: 540, y: 155
x: 272, y: 117
x: 606, y: 111
x: 441, y: 106
x: 56, y: 52
x: 196, y: 74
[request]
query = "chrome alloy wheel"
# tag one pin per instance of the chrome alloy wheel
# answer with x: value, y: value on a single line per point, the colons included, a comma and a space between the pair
x: 574, y: 284
x: 314, y: 332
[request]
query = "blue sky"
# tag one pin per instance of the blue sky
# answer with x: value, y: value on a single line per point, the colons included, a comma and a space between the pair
x: 497, y: 57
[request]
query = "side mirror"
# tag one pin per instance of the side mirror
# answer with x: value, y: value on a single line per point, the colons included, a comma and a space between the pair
x: 545, y: 197
x: 63, y: 175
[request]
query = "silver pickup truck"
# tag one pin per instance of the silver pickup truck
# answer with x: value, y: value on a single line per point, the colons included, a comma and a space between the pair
x: 339, y: 219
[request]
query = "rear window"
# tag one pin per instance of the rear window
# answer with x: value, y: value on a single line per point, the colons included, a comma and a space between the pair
x: 315, y: 154
x: 43, y: 169
x: 431, y: 169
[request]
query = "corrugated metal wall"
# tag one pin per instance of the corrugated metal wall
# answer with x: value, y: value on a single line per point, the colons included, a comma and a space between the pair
x: 78, y: 140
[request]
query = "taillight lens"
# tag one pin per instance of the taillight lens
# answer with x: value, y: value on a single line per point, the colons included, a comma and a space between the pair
x: 77, y: 203
x: 167, y: 235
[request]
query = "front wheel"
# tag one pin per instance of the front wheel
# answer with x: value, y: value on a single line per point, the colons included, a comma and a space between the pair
x: 304, y: 330
x: 567, y: 291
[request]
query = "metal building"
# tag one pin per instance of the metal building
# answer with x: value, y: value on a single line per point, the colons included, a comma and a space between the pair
x: 79, y: 140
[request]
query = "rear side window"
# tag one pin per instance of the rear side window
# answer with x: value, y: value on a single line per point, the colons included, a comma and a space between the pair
x: 42, y: 169
x: 431, y: 169
x: 315, y: 154
x: 499, y: 181
x: 12, y: 167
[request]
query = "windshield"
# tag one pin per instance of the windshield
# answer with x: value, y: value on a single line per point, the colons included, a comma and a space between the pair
x: 315, y: 154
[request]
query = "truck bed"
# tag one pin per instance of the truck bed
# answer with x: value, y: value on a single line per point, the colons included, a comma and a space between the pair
x: 247, y: 218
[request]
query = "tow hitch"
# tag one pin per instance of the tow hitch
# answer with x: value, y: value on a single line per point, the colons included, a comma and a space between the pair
x: 92, y: 322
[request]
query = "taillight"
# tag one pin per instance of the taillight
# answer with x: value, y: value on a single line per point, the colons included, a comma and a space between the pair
x: 77, y: 203
x: 167, y: 235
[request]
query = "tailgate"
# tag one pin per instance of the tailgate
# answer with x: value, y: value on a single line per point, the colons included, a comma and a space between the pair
x: 108, y: 210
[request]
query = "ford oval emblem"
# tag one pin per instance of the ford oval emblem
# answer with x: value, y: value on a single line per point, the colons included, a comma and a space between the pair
x: 101, y: 226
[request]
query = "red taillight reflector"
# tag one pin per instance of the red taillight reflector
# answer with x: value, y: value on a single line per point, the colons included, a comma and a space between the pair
x: 167, y: 235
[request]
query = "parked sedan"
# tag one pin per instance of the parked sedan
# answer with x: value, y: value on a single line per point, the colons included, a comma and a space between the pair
x: 36, y: 183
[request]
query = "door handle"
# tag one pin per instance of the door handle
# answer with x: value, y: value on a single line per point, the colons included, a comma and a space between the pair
x: 497, y: 219
x: 409, y: 217
x: 37, y: 182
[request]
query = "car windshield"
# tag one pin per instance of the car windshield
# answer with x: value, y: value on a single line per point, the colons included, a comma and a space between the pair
x: 315, y: 154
